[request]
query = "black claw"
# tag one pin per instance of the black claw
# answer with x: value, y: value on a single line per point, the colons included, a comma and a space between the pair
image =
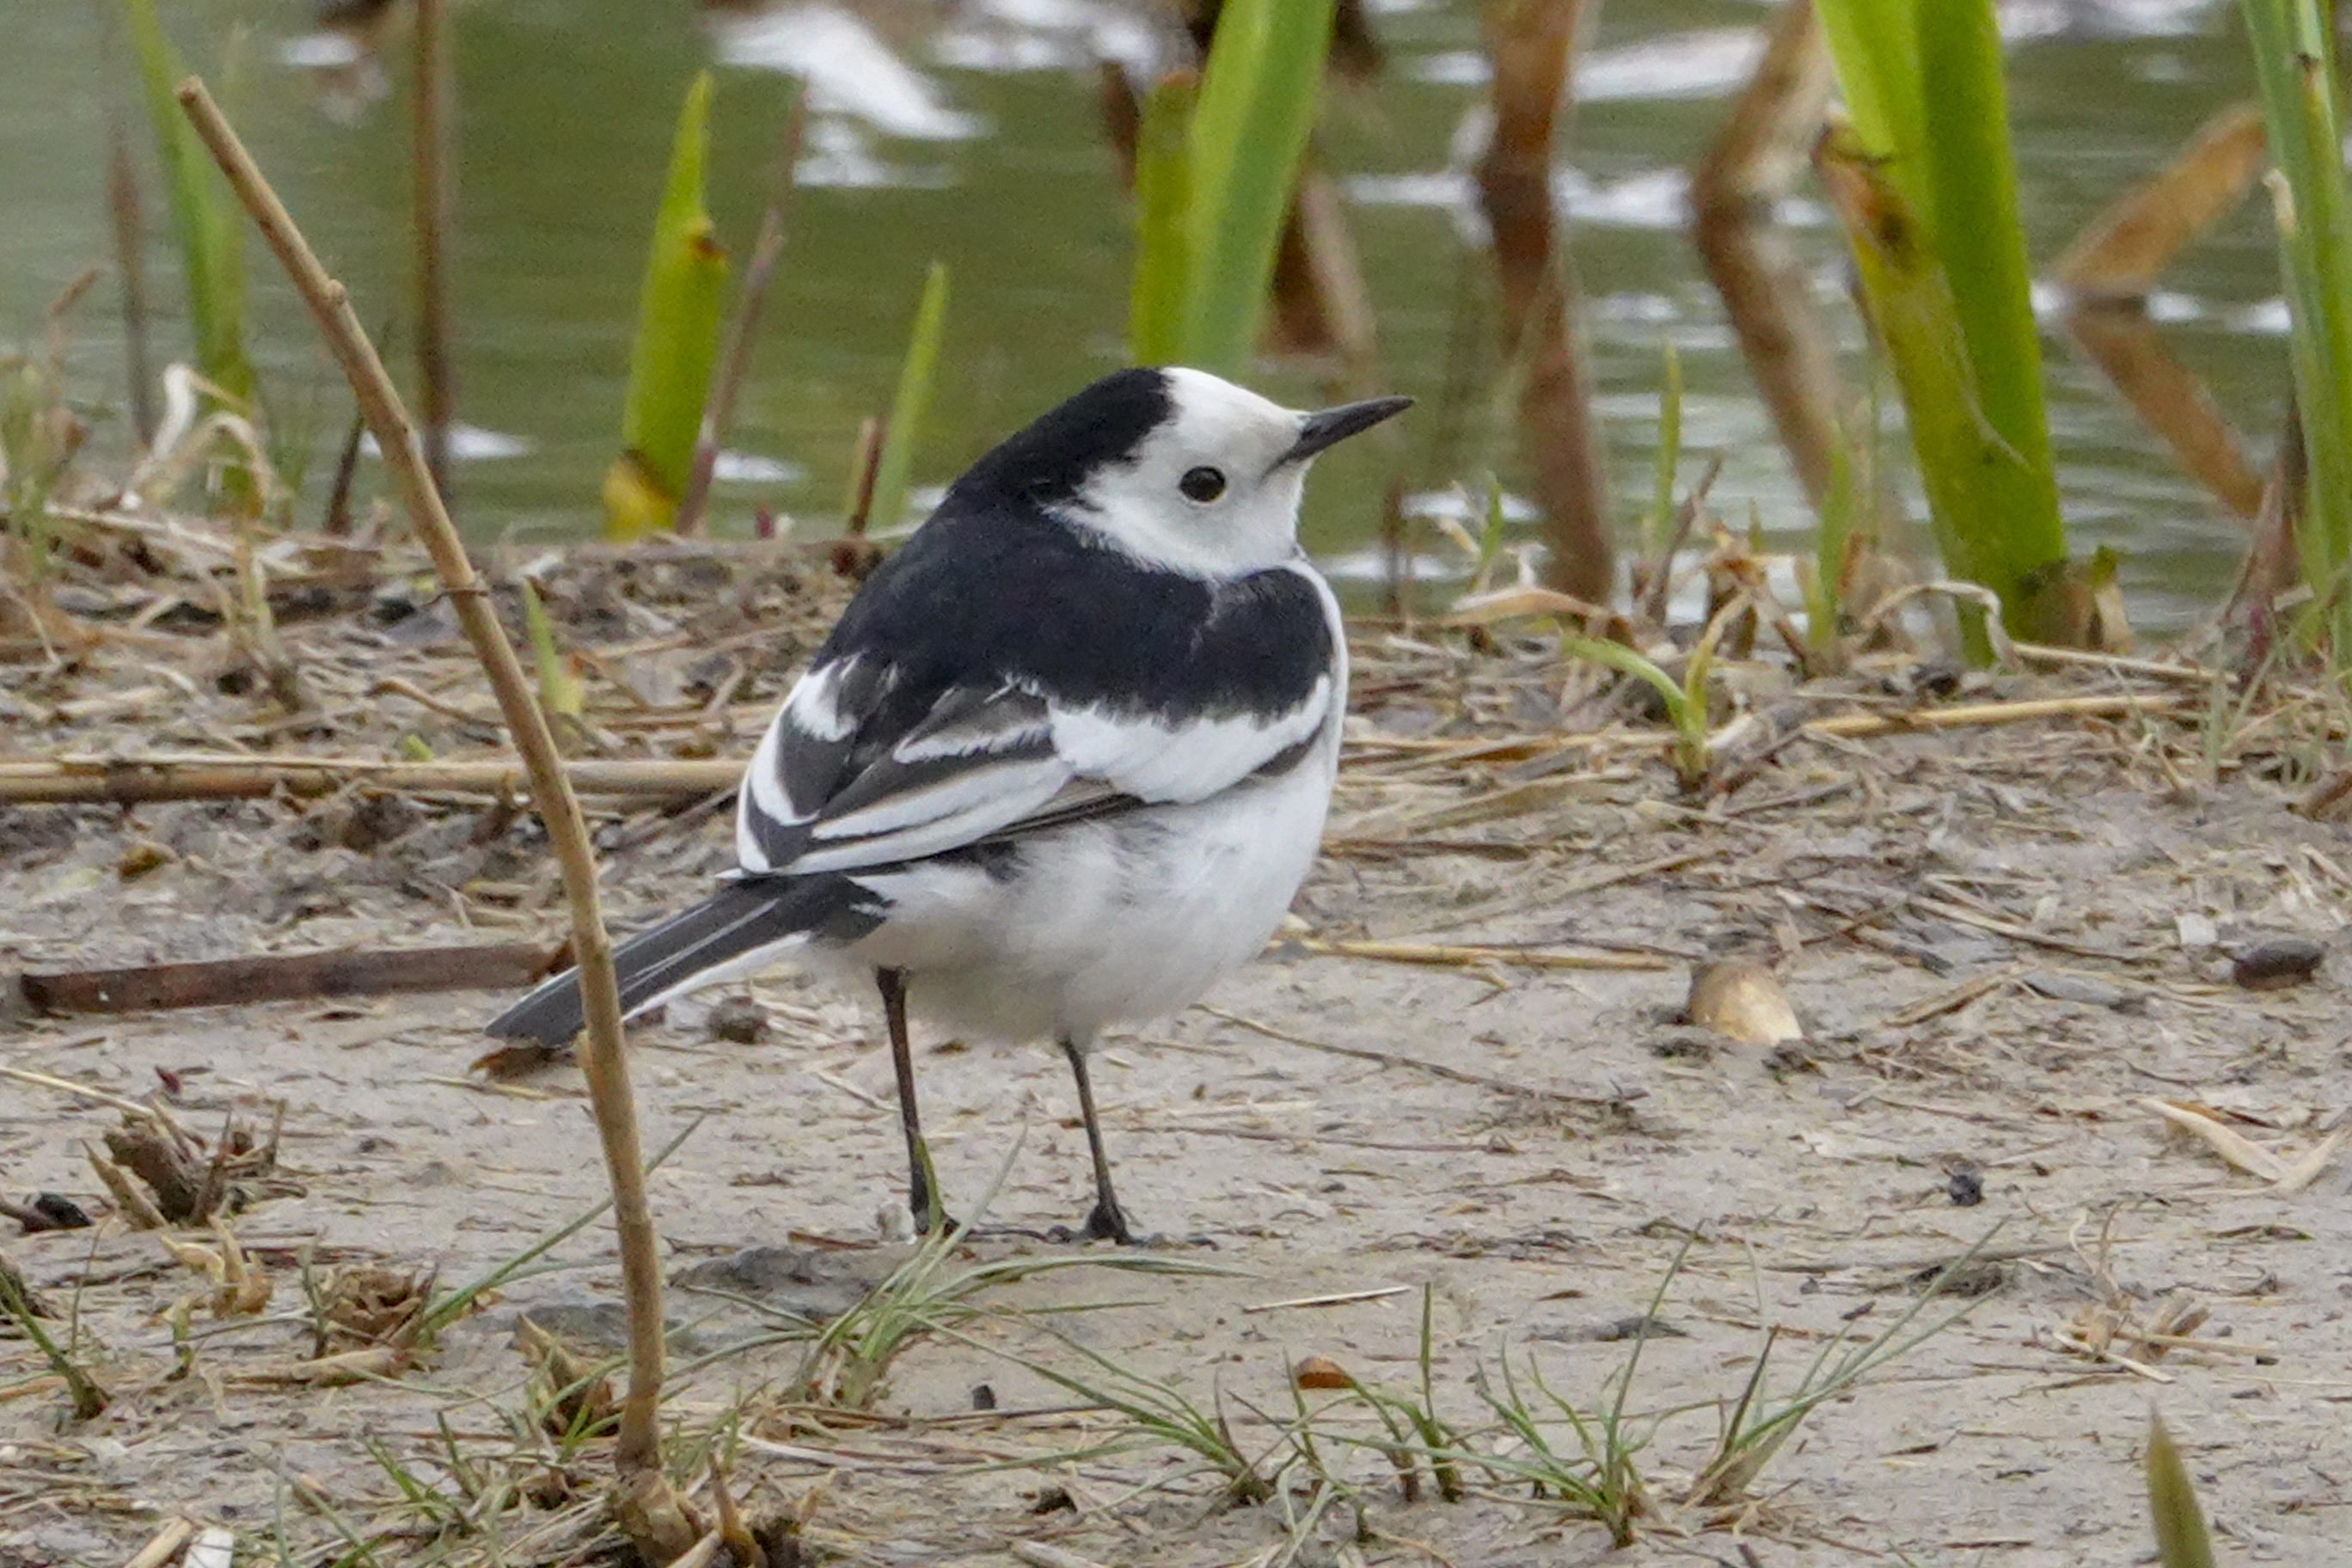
x: 1107, y: 1223
x: 929, y: 1214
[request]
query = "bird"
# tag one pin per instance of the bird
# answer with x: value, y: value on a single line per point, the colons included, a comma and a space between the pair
x: 1065, y: 759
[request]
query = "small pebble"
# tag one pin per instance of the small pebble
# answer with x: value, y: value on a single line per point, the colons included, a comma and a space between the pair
x: 1742, y: 999
x: 1319, y: 1372
x: 739, y: 1021
x: 2278, y: 961
x: 140, y: 856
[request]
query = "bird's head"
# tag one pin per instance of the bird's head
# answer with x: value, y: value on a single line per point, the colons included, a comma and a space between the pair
x: 1177, y: 466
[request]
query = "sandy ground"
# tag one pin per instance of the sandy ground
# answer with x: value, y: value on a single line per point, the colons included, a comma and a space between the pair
x: 1982, y: 932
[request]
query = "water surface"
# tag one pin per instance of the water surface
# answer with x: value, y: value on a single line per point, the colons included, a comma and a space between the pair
x: 978, y: 141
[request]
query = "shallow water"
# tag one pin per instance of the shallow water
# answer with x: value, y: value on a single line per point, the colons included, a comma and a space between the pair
x: 978, y: 142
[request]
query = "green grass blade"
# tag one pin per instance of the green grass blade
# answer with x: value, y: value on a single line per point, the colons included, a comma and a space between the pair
x: 210, y: 232
x: 559, y: 691
x: 2180, y: 1538
x: 678, y: 311
x: 1825, y: 584
x: 1617, y: 656
x: 1658, y: 527
x: 895, y: 466
x: 2294, y: 67
x: 1249, y: 133
x: 1163, y: 180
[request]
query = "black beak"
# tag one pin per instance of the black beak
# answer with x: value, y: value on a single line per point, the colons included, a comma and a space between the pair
x: 1333, y: 425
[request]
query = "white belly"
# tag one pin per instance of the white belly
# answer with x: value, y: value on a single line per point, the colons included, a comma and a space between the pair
x: 1120, y: 921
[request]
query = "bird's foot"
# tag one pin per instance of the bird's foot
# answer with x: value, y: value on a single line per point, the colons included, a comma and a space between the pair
x: 1107, y: 1223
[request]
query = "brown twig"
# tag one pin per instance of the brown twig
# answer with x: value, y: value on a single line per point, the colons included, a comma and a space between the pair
x: 337, y: 522
x: 278, y: 977
x: 719, y: 408
x: 636, y: 1451
x: 864, y: 467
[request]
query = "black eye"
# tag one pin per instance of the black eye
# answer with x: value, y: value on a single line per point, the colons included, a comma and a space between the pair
x: 1202, y: 484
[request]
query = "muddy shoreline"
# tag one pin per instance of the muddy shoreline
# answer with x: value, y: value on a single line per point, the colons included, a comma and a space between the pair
x: 2002, y: 943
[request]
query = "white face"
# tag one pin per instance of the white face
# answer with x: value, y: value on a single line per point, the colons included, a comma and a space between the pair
x: 1210, y: 491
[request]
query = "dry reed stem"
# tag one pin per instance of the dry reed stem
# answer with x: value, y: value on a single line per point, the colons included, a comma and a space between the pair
x: 1321, y: 307
x: 2171, y: 400
x: 165, y: 1545
x: 202, y: 776
x: 1763, y: 145
x: 1042, y: 1554
x: 1533, y: 49
x: 2112, y: 1357
x: 2120, y: 252
x: 431, y: 216
x: 197, y: 775
x: 1455, y: 955
x: 636, y: 1451
x: 2119, y: 664
x: 2245, y: 1154
x: 96, y: 1096
x: 1981, y: 715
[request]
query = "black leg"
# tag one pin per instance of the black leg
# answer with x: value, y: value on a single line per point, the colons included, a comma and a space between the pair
x: 1107, y: 1222
x: 922, y: 1188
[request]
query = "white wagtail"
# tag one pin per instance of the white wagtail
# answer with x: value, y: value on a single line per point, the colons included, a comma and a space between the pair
x: 1065, y: 759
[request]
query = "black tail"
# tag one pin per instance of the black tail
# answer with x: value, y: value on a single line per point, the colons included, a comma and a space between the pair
x: 740, y: 917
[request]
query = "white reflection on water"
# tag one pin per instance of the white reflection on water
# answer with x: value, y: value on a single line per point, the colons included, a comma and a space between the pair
x: 472, y: 443
x: 1008, y: 36
x: 848, y: 70
x: 1711, y: 62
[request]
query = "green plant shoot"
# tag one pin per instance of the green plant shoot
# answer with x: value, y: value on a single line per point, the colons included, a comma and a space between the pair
x: 2181, y: 1540
x: 1825, y: 582
x: 1230, y: 183
x: 559, y: 691
x: 1163, y: 174
x: 1926, y: 185
x: 895, y: 466
x: 678, y: 316
x: 1686, y: 708
x: 206, y: 221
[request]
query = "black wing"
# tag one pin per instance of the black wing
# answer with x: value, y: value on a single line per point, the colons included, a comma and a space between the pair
x: 1003, y: 671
